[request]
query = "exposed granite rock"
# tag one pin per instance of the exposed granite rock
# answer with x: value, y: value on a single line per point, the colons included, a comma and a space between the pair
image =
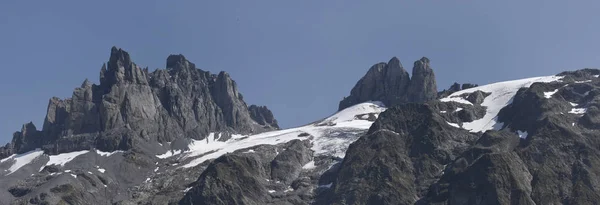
x: 391, y: 84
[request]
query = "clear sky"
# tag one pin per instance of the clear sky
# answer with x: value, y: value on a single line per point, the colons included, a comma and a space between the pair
x: 297, y: 57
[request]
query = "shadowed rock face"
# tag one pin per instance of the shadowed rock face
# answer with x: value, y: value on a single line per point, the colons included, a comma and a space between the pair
x: 391, y: 84
x: 132, y: 107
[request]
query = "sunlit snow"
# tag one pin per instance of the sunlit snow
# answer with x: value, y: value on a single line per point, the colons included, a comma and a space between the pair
x: 21, y: 160
x: 453, y: 124
x: 331, y: 136
x: 501, y: 96
x: 107, y: 154
x: 549, y: 94
x: 578, y: 111
x: 62, y: 159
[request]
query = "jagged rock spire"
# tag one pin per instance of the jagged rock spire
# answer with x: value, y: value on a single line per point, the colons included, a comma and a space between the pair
x: 391, y: 84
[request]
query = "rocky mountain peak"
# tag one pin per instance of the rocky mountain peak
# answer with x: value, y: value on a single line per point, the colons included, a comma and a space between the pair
x: 392, y: 85
x: 423, y: 86
x: 178, y: 62
x: 126, y: 111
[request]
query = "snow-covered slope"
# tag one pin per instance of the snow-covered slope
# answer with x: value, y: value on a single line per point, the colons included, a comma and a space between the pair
x: 501, y: 95
x: 331, y: 136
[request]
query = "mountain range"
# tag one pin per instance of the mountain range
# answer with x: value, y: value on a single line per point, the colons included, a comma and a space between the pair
x: 181, y: 135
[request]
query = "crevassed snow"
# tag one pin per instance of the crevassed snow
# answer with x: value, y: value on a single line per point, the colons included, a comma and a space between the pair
x: 501, y: 96
x: 309, y: 165
x: 22, y: 159
x: 549, y: 94
x: 522, y: 134
x: 578, y: 111
x: 334, y: 139
x: 107, y: 154
x: 62, y: 159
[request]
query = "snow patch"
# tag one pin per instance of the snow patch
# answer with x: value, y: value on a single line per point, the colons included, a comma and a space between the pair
x: 21, y: 160
x: 457, y: 99
x: 107, y: 154
x: 74, y: 176
x: 187, y: 189
x: 249, y: 151
x: 64, y: 158
x: 549, y: 94
x: 522, y: 135
x: 349, y: 113
x: 501, y: 96
x: 443, y: 111
x: 578, y: 111
x: 272, y: 191
x: 573, y: 104
x: 453, y: 124
x: 309, y: 165
x: 101, y: 170
x: 583, y: 81
x: 458, y: 109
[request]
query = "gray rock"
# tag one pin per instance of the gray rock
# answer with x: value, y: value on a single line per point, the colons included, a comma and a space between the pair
x: 422, y: 86
x: 134, y: 108
x: 391, y: 84
x: 263, y: 116
x: 383, y: 82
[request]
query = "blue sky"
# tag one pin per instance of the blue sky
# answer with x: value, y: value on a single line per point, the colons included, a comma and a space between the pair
x: 297, y: 57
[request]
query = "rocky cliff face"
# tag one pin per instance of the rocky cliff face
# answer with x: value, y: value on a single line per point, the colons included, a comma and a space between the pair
x: 391, y: 84
x: 135, y: 108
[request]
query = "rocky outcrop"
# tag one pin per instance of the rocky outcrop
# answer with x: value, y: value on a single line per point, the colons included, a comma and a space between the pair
x: 391, y: 84
x: 132, y: 107
x: 455, y: 87
x: 403, y: 152
x: 252, y: 177
x: 263, y: 116
x: 422, y: 87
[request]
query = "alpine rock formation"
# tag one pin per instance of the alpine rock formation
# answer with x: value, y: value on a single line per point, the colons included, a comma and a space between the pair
x: 182, y: 135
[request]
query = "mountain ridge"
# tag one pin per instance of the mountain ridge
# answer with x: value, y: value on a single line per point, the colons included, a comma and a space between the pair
x: 526, y: 141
